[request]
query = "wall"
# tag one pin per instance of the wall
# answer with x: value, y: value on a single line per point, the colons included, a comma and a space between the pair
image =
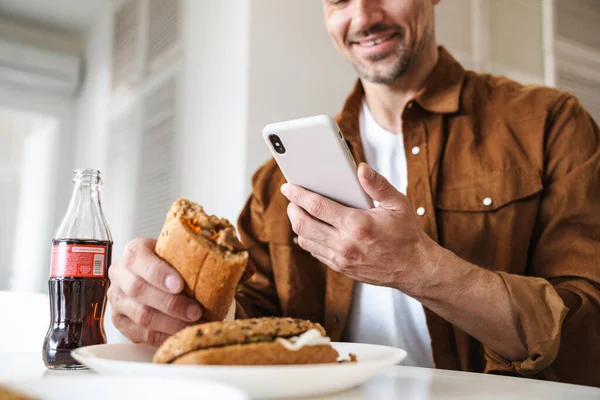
x: 35, y: 202
x: 232, y: 85
x: 94, y: 96
x: 295, y: 71
x: 52, y: 171
x: 213, y: 109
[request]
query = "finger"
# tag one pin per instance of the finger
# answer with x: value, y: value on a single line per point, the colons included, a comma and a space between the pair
x: 328, y: 262
x: 147, y: 317
x: 303, y: 224
x: 144, y: 262
x: 319, y: 207
x: 136, y: 333
x: 176, y: 305
x: 380, y: 189
x: 316, y: 249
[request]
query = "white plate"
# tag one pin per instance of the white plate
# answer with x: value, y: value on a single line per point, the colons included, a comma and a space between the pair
x: 258, y: 381
x: 96, y: 387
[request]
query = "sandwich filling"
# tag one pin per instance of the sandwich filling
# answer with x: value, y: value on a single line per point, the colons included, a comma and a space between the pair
x: 218, y: 231
x: 311, y: 337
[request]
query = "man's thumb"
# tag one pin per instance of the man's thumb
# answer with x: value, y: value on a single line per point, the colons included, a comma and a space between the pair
x: 378, y: 188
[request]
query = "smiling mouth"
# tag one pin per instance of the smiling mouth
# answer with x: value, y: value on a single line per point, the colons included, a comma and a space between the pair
x: 374, y: 42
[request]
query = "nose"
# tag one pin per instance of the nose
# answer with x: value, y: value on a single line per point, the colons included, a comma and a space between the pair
x: 367, y: 13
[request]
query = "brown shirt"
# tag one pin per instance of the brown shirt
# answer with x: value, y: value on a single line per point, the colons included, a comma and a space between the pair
x: 509, y: 176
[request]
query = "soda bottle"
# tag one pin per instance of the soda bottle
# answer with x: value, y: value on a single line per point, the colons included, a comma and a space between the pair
x: 81, y: 255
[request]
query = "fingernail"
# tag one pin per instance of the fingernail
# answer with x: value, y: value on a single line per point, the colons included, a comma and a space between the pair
x: 369, y: 173
x: 173, y: 283
x: 285, y: 188
x: 193, y: 312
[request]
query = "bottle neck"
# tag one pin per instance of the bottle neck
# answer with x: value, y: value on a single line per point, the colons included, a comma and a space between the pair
x: 85, y: 198
x: 84, y: 218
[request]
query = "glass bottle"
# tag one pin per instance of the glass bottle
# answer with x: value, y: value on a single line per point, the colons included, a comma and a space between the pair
x: 81, y: 255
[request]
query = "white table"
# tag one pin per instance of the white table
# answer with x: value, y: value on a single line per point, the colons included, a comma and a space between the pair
x: 394, y: 383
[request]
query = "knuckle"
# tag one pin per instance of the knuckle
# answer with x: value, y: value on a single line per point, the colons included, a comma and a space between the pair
x: 348, y: 253
x: 172, y: 304
x: 112, y: 273
x: 135, y: 287
x: 297, y: 222
x: 154, y: 271
x: 302, y: 242
x: 152, y: 337
x: 340, y: 263
x: 111, y: 295
x: 360, y: 229
x: 117, y: 319
x: 349, y: 219
x: 143, y: 315
x: 137, y: 250
x: 316, y: 207
x: 383, y: 184
x: 130, y: 250
x: 298, y: 226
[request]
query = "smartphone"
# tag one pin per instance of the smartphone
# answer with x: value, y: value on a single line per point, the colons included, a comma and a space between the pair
x: 312, y: 153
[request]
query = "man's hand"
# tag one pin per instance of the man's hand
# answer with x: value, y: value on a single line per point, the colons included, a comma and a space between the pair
x: 145, y: 295
x: 383, y: 246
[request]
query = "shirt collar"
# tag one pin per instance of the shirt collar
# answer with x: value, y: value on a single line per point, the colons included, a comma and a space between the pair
x: 441, y: 95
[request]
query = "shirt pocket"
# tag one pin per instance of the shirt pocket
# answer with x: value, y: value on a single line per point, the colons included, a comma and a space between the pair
x: 489, y: 218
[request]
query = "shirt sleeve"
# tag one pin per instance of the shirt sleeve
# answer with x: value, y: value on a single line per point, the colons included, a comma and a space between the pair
x: 557, y: 306
x: 256, y: 297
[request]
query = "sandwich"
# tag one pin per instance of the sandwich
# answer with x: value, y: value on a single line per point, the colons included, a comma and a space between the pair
x: 208, y: 255
x: 258, y: 341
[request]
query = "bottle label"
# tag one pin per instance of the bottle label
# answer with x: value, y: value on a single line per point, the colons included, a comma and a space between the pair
x: 78, y: 261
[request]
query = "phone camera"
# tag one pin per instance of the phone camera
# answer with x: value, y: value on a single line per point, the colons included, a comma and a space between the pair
x: 277, y: 144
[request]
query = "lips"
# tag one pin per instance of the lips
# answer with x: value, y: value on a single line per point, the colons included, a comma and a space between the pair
x: 371, y: 42
x: 376, y: 47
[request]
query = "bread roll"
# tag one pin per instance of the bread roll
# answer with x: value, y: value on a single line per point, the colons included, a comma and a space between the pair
x: 245, y: 342
x: 269, y: 353
x: 206, y: 252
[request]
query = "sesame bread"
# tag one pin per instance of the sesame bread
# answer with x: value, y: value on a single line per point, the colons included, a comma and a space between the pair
x: 268, y: 353
x: 229, y: 333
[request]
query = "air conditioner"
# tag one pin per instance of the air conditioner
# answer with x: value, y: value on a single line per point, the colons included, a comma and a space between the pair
x: 36, y: 68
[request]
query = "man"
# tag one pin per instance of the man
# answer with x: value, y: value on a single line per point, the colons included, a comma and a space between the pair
x: 498, y: 239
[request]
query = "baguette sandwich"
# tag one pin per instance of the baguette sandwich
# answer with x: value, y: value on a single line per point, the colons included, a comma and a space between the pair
x: 206, y: 252
x: 259, y: 341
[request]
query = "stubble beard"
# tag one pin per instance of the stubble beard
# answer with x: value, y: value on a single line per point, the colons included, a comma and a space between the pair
x: 404, y: 59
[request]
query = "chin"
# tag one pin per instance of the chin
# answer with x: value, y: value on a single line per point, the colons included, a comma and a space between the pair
x: 380, y: 74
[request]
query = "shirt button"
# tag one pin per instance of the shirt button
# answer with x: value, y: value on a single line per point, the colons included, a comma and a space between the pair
x: 295, y: 240
x: 487, y: 202
x: 416, y: 150
x: 421, y: 211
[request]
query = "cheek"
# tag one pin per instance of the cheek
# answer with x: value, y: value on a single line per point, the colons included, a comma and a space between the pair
x: 337, y: 27
x: 409, y: 15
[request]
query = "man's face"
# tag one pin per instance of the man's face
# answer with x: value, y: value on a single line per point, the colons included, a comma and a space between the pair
x: 380, y: 38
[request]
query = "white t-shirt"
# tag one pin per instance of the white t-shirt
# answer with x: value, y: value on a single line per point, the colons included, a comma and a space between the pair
x: 382, y: 315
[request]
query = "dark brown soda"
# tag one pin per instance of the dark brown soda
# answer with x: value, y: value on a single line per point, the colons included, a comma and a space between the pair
x: 77, y: 312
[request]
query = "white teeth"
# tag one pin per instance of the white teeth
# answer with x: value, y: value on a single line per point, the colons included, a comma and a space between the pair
x: 372, y: 43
